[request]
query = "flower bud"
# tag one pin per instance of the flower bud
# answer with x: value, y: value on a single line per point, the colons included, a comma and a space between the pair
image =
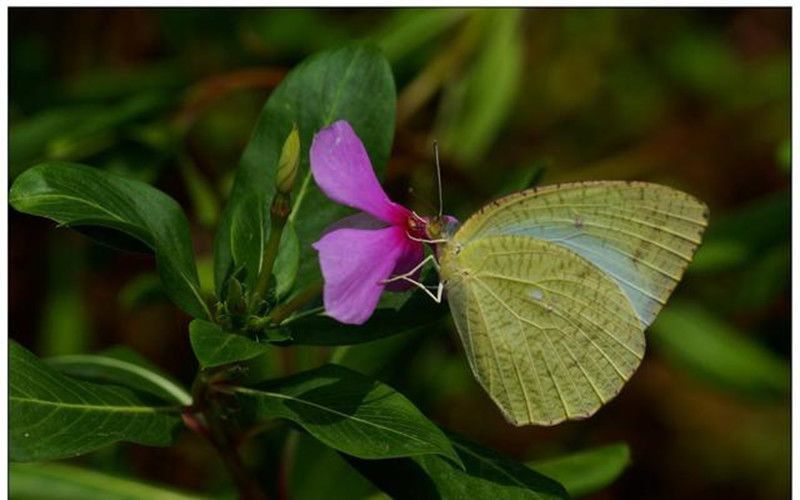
x: 235, y: 300
x: 289, y: 162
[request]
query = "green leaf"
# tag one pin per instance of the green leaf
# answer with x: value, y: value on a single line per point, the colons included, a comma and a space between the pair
x: 767, y: 278
x: 713, y: 350
x: 215, y: 347
x: 419, y: 312
x: 718, y: 254
x: 65, y: 326
x: 112, y: 368
x: 76, y: 195
x: 74, y: 132
x: 586, y: 471
x: 201, y: 193
x: 486, y: 475
x: 408, y: 29
x: 66, y: 482
x: 142, y: 290
x: 317, y: 471
x: 54, y: 416
x: 768, y: 222
x: 352, y: 83
x: 349, y: 412
x: 379, y: 358
x: 484, y: 100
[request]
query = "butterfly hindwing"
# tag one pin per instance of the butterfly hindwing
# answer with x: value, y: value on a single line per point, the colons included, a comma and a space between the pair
x: 548, y: 335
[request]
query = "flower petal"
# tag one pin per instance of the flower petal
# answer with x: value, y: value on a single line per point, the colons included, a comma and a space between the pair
x: 360, y: 220
x: 413, y: 253
x: 342, y: 169
x: 354, y: 262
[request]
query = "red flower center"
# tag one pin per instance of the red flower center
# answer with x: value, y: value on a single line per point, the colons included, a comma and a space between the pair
x: 416, y: 226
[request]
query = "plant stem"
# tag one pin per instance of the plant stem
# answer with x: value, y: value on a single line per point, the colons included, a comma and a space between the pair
x: 283, y: 311
x: 210, y: 426
x: 248, y: 488
x: 279, y: 212
x: 287, y: 464
x: 303, y: 297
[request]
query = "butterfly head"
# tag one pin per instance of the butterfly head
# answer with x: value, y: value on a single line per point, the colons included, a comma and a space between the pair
x: 440, y: 227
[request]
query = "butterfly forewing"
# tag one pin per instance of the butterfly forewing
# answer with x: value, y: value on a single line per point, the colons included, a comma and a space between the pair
x: 642, y: 235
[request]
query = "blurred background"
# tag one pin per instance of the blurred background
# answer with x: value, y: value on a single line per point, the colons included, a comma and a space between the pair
x: 694, y: 98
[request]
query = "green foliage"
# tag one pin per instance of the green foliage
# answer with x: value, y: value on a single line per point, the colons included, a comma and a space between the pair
x: 588, y: 471
x: 74, y: 133
x: 288, y: 261
x: 78, y: 196
x: 65, y: 327
x: 349, y: 412
x: 54, y: 416
x: 408, y: 29
x: 727, y: 247
x: 486, y: 474
x: 204, y: 201
x: 122, y: 367
x: 416, y: 313
x: 66, y: 482
x: 214, y: 347
x: 482, y: 101
x: 314, y: 464
x: 706, y: 346
x: 327, y: 87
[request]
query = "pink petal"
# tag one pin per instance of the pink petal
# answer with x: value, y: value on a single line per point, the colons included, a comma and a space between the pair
x: 342, y: 169
x: 354, y: 262
x: 360, y: 220
x: 412, y: 255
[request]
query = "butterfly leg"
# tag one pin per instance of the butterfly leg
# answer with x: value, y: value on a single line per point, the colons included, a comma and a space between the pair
x: 423, y: 240
x: 410, y: 273
x: 425, y: 288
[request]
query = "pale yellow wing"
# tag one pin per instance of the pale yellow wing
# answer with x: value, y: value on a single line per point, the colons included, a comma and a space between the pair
x: 547, y: 334
x: 551, y: 290
x: 640, y: 234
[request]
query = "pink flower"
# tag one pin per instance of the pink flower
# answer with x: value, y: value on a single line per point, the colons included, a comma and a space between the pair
x: 358, y: 253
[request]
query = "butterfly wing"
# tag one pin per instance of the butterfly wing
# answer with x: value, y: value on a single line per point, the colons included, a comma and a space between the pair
x: 642, y: 235
x: 548, y: 335
x: 551, y: 290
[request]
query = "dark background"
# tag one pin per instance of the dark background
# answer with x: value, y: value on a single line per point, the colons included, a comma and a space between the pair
x: 694, y: 98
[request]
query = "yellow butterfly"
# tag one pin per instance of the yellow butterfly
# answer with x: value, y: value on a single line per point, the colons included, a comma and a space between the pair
x: 551, y: 289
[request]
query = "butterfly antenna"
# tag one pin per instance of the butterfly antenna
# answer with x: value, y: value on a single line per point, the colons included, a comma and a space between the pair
x: 438, y: 176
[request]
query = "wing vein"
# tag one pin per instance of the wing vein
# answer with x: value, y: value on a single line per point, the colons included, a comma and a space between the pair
x: 492, y: 347
x: 527, y: 348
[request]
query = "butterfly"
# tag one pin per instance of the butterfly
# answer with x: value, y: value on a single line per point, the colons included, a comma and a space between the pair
x: 551, y: 289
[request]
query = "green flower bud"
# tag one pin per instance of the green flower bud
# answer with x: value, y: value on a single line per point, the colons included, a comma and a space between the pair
x: 236, y: 300
x: 289, y: 162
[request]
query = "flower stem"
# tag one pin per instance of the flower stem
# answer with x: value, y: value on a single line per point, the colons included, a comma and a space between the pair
x: 283, y: 311
x: 303, y: 297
